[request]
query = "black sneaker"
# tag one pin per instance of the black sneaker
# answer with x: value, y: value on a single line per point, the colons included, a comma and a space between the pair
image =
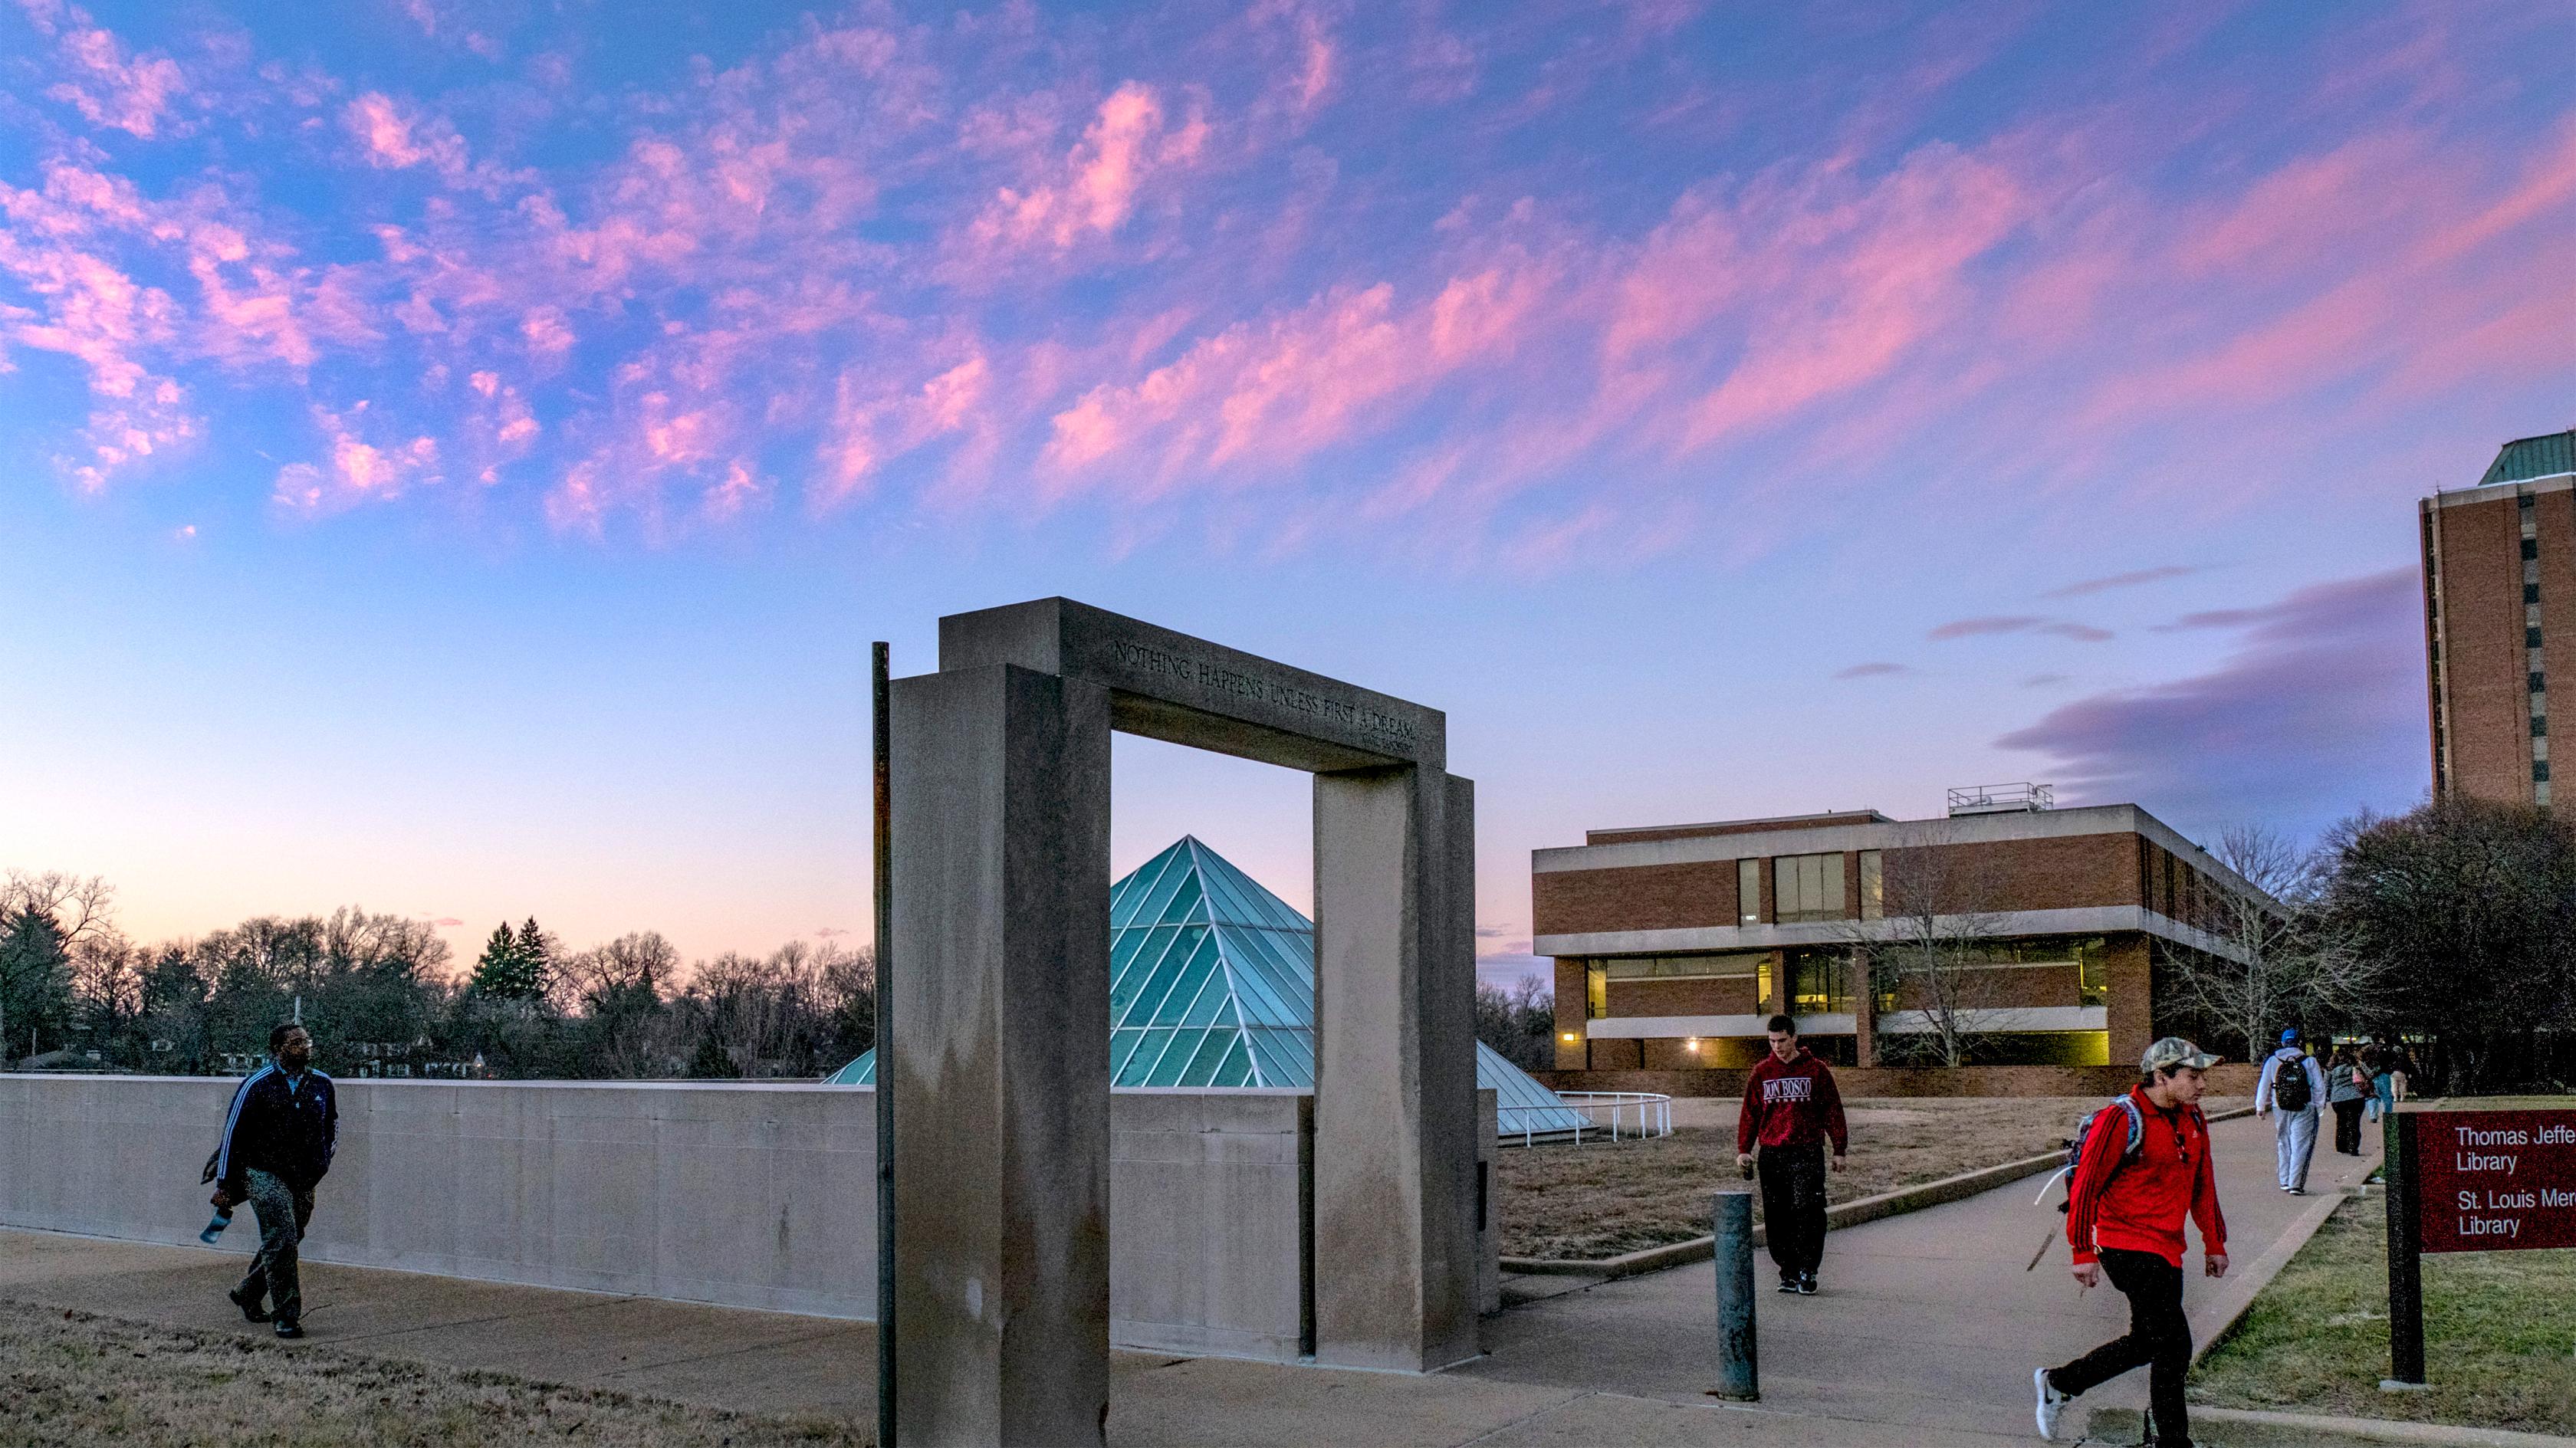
x: 287, y: 1327
x: 1807, y: 1285
x: 251, y: 1311
x: 1789, y: 1284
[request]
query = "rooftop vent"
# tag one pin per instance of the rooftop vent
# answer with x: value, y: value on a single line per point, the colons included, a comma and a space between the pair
x: 1985, y: 799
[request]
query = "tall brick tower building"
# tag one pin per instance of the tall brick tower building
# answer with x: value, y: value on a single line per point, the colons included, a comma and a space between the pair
x: 2500, y: 623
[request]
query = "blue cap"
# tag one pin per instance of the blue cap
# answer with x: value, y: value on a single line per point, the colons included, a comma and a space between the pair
x: 2290, y: 1037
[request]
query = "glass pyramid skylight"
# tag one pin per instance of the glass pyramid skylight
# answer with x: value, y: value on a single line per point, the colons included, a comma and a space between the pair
x: 1212, y: 983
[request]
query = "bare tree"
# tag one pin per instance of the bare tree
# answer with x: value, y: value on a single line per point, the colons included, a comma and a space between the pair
x: 74, y: 912
x: 2272, y: 966
x: 1932, y: 950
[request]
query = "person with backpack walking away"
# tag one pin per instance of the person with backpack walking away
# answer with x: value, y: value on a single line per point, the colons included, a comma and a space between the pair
x: 2291, y: 1091
x: 2348, y: 1092
x: 277, y: 1144
x: 2144, y: 1165
x: 1792, y: 1109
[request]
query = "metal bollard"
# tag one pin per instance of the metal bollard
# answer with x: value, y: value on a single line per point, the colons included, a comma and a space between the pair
x: 1738, y: 1376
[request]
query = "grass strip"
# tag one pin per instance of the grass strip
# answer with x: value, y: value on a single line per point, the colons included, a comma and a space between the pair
x: 2499, y: 1339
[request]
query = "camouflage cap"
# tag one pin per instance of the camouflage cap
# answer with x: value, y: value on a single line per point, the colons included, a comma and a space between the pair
x: 2175, y: 1051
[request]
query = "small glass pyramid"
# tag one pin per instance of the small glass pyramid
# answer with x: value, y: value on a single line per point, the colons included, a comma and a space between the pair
x: 1212, y: 983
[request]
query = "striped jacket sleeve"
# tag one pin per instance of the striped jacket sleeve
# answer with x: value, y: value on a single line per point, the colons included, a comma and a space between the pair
x: 228, y: 1170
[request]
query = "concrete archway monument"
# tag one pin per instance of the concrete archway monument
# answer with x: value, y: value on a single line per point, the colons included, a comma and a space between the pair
x: 998, y: 1064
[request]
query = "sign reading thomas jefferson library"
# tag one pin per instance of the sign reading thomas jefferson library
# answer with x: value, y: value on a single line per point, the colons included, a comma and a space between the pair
x: 2491, y: 1181
x: 2469, y: 1181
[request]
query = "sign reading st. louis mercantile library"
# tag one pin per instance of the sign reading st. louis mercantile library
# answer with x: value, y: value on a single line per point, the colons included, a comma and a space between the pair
x: 2491, y: 1181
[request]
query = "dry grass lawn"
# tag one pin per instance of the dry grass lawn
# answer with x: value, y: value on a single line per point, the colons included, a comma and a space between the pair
x: 68, y: 1380
x: 2499, y: 1340
x: 1601, y: 1199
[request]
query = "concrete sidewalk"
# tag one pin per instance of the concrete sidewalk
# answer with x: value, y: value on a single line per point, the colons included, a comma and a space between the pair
x: 1925, y: 1335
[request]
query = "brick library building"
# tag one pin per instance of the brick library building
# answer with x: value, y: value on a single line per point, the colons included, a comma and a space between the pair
x: 2009, y: 933
x: 2500, y: 621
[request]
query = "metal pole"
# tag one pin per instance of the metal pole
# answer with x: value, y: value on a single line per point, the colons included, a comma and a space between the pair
x: 2405, y: 1257
x: 884, y: 892
x: 1738, y: 1375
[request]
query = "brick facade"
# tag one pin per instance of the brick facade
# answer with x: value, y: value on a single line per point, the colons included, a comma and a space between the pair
x: 2487, y: 685
x: 2112, y: 873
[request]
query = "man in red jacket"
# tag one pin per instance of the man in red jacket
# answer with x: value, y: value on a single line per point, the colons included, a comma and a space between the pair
x: 2124, y: 1217
x: 1792, y: 1108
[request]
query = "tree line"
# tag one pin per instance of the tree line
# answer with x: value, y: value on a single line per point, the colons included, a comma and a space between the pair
x: 382, y: 996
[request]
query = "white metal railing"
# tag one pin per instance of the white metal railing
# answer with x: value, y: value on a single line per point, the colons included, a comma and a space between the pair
x: 1631, y: 1113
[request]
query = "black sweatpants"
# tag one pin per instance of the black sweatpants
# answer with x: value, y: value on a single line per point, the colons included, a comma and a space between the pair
x: 2348, y: 1126
x: 1793, y: 1206
x: 2159, y: 1336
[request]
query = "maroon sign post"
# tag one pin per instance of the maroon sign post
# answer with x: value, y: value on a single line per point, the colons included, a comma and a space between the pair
x: 2469, y: 1181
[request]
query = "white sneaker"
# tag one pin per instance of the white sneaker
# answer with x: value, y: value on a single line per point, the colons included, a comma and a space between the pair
x: 2052, y: 1404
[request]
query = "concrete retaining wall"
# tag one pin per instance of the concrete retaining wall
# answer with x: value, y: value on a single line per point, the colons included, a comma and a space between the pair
x: 747, y: 1195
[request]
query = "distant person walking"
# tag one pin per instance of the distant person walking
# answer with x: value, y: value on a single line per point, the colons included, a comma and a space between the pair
x: 277, y: 1143
x: 2143, y: 1167
x: 1792, y: 1109
x: 2347, y: 1092
x: 2392, y: 1072
x: 2292, y: 1092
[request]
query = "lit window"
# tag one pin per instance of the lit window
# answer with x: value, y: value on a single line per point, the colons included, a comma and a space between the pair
x: 1596, y: 988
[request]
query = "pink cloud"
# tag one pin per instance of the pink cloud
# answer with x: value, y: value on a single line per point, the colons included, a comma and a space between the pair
x: 111, y: 88
x: 392, y: 137
x: 1093, y: 189
x: 1272, y: 393
x: 357, y: 470
x: 1861, y: 281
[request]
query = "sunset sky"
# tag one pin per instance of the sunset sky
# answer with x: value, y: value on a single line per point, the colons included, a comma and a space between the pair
x: 453, y: 460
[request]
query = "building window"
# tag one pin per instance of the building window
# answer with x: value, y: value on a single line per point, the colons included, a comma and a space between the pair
x: 1762, y: 982
x: 1819, y: 982
x: 2540, y: 771
x: 2531, y: 638
x: 1596, y: 989
x: 1748, y: 891
x: 2539, y: 725
x: 1741, y: 966
x: 2531, y: 593
x: 2530, y: 571
x: 1873, y: 887
x: 1807, y: 887
x: 2530, y: 547
x: 2539, y: 681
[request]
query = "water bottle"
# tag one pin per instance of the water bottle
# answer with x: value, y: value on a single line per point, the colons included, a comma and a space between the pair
x: 215, y: 1228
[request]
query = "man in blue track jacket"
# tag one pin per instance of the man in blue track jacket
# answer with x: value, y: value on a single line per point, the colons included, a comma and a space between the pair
x: 278, y: 1138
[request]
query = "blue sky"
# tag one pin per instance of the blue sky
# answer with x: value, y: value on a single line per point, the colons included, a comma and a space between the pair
x: 454, y: 461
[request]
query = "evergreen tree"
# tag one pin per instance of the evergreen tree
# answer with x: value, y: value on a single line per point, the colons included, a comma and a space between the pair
x: 35, y: 982
x: 711, y: 1062
x: 538, y: 954
x: 507, y: 970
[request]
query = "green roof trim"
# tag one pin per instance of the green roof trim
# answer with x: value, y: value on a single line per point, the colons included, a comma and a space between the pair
x: 2525, y: 458
x: 1212, y: 983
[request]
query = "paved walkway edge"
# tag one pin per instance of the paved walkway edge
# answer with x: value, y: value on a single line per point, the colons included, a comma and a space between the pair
x: 1846, y: 1214
x: 2217, y: 1320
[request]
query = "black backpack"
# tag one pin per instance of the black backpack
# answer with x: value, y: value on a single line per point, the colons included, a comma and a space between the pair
x: 2290, y: 1083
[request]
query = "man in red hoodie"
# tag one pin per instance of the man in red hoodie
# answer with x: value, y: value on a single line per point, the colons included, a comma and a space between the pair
x: 1792, y: 1108
x: 2124, y: 1217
